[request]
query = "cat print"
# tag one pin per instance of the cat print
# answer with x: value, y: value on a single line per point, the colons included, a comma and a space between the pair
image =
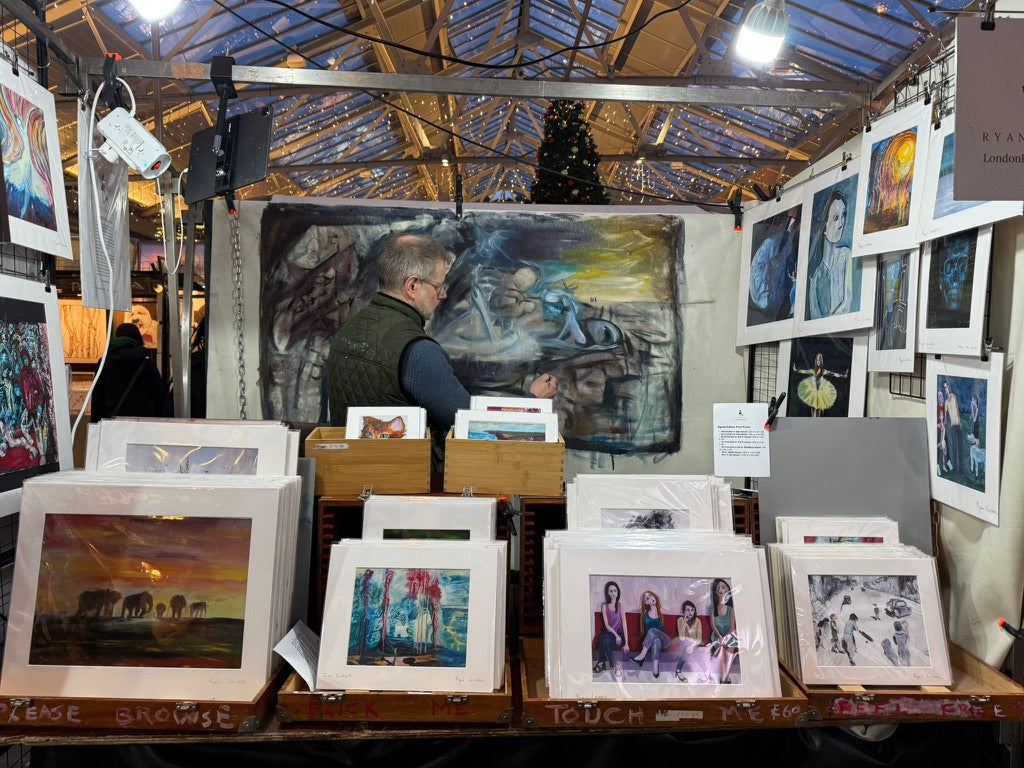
x: 374, y: 429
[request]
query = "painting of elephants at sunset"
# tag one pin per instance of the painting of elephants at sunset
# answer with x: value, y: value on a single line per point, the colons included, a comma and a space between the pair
x: 140, y: 591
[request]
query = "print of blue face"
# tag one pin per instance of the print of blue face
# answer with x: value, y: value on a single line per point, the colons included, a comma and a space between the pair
x: 954, y: 271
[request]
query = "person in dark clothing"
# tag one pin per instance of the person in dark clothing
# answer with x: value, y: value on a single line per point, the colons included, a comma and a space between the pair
x: 383, y: 356
x: 129, y: 383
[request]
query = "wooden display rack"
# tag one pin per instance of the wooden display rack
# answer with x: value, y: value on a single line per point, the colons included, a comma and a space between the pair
x: 978, y: 692
x: 539, y: 711
x: 349, y: 467
x: 299, y: 705
x: 504, y: 467
x: 141, y: 715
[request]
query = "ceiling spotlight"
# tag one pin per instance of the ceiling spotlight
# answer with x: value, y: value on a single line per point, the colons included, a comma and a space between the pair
x: 762, y: 34
x: 154, y: 10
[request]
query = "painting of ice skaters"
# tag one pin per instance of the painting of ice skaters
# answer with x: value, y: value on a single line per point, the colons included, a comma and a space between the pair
x: 869, y: 621
x: 409, y: 617
x: 190, y: 459
x: 664, y: 629
x: 960, y: 430
x: 651, y: 519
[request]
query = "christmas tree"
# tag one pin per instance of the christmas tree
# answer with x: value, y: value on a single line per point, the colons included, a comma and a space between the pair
x: 567, y: 159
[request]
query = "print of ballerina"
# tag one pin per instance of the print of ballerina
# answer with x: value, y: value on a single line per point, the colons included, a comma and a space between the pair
x: 816, y: 390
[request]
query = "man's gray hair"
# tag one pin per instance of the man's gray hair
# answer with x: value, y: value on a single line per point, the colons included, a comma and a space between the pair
x: 405, y: 255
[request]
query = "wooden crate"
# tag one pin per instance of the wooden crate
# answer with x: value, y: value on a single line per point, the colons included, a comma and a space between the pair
x: 978, y: 692
x: 142, y: 715
x: 508, y: 467
x: 539, y: 711
x: 297, y: 704
x: 350, y: 467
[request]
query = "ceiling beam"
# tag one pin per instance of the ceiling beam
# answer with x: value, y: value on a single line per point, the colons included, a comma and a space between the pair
x: 531, y: 160
x: 494, y: 87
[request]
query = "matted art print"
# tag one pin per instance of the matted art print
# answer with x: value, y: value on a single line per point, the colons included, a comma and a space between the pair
x: 645, y: 502
x: 429, y: 517
x: 178, y: 446
x: 384, y: 422
x: 823, y: 376
x: 124, y: 591
x: 506, y: 425
x: 768, y: 266
x: 37, y: 210
x: 941, y: 213
x: 954, y: 278
x: 830, y: 530
x: 689, y: 621
x: 35, y: 427
x: 869, y: 621
x: 416, y: 616
x: 964, y: 402
x: 833, y: 288
x: 892, y: 342
x: 520, y: 404
x: 892, y: 182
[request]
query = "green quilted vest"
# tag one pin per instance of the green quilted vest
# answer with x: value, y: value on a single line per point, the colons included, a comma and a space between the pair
x: 366, y: 353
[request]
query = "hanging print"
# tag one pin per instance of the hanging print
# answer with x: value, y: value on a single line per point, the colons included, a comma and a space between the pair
x: 823, y: 376
x: 767, y: 272
x: 889, y: 197
x: 954, y: 271
x: 893, y: 339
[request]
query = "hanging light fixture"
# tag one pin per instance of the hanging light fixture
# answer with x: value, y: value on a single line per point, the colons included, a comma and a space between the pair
x: 762, y: 34
x: 154, y: 10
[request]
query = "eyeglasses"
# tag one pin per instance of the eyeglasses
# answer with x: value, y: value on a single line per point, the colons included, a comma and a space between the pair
x: 440, y: 288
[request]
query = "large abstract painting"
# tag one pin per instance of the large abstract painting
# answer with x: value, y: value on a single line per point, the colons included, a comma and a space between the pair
x: 592, y: 298
x: 33, y: 174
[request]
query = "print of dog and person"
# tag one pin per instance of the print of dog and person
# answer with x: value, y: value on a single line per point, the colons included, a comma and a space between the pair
x: 960, y: 430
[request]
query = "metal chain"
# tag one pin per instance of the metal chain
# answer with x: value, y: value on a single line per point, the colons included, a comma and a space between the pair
x: 236, y: 257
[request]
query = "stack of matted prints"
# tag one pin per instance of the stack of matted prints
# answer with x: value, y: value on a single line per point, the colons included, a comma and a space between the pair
x: 664, y: 502
x: 527, y: 419
x: 859, y: 614
x: 645, y: 614
x: 417, y: 604
x: 186, y: 446
x: 134, y: 585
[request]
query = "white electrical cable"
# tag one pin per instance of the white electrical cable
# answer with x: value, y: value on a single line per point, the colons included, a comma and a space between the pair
x: 92, y: 152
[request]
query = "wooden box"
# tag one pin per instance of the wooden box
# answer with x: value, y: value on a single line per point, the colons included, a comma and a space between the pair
x: 506, y: 467
x: 149, y: 715
x: 350, y: 467
x: 297, y: 704
x: 540, y: 711
x: 978, y: 692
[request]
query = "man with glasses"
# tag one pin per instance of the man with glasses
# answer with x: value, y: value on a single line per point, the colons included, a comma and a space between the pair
x: 383, y: 356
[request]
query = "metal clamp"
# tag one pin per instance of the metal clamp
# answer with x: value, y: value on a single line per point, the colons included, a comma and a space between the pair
x: 864, y: 698
x: 467, y: 490
x: 366, y: 493
x: 979, y: 700
x: 186, y: 706
x: 745, y: 704
x: 456, y: 698
x: 15, y: 703
x: 331, y: 698
x: 586, y: 706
